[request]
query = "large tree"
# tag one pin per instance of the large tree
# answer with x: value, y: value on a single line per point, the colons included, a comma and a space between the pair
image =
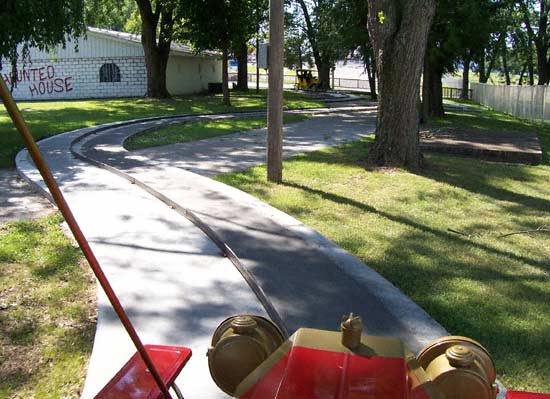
x: 156, y: 20
x: 350, y: 19
x: 218, y: 24
x: 298, y: 53
x: 450, y: 41
x: 323, y: 36
x: 398, y: 31
x: 33, y: 23
x: 157, y: 29
x: 535, y: 18
x: 240, y: 47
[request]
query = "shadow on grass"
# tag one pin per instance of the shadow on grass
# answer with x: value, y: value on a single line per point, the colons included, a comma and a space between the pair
x: 475, y: 295
x: 406, y: 221
x: 480, y: 178
x: 74, y: 342
x: 476, y: 176
x: 495, y: 304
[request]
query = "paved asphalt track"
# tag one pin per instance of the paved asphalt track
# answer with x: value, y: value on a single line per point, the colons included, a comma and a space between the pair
x: 171, y: 277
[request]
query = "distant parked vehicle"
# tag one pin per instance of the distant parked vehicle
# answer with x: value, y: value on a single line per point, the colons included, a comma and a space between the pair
x: 306, y: 80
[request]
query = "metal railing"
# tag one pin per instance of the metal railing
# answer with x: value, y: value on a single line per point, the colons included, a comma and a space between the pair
x: 345, y: 83
x: 454, y: 93
x: 353, y: 84
x: 341, y: 83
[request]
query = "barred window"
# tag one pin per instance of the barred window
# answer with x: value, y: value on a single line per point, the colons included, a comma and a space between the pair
x: 109, y: 73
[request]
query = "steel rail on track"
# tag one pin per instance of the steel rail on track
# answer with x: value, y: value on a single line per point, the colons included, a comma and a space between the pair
x: 226, y: 250
x: 224, y: 247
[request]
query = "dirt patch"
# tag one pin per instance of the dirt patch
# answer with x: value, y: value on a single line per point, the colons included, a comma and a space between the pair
x: 17, y: 199
x: 515, y: 147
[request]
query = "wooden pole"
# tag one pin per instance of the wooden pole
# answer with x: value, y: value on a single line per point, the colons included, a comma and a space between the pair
x: 258, y: 62
x: 258, y: 47
x: 275, y: 93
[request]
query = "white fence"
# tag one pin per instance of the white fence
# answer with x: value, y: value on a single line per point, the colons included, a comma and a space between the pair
x: 526, y: 102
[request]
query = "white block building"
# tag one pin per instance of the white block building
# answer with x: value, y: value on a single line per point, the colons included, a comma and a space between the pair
x: 107, y: 64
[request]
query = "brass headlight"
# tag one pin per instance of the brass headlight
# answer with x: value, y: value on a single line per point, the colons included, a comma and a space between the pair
x: 239, y: 345
x: 460, y: 368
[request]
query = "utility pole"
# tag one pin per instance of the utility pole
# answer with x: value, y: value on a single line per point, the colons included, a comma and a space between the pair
x: 258, y: 46
x: 257, y: 62
x: 275, y: 93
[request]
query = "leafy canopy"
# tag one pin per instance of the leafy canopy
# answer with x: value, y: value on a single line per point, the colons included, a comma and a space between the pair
x: 217, y: 24
x: 38, y: 23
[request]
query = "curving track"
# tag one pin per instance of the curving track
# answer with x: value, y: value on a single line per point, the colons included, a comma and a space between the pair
x: 170, y: 243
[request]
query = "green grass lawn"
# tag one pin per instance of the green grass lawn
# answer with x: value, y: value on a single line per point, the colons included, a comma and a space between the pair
x: 184, y: 132
x: 47, y: 312
x: 493, y: 289
x: 53, y: 117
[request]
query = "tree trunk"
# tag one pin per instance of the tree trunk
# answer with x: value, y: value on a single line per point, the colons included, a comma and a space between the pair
x: 539, y: 38
x: 485, y: 74
x: 541, y: 41
x: 391, y: 24
x: 490, y: 67
x: 530, y: 66
x: 482, y: 77
x: 432, y: 91
x: 465, y: 95
x: 225, y: 77
x: 505, y: 65
x: 542, y: 64
x: 323, y: 69
x: 370, y: 66
x: 156, y: 51
x: 522, y: 74
x: 242, y: 67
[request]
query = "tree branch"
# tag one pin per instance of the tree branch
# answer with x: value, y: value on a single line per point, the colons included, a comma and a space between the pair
x: 539, y: 230
x: 530, y: 31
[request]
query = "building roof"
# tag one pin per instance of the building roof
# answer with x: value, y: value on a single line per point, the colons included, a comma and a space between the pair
x: 136, y: 39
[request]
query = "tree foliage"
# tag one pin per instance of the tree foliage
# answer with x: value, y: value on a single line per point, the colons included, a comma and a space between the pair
x: 42, y: 24
x: 298, y: 53
x: 351, y: 18
x: 323, y: 35
x: 535, y: 15
x: 217, y: 24
x: 460, y: 33
x: 118, y: 15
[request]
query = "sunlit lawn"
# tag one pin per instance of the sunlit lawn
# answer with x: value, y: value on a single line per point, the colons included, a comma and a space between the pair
x: 47, y: 312
x: 53, y: 117
x: 493, y: 289
x: 184, y: 132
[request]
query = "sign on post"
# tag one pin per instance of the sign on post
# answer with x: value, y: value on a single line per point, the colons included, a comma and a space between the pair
x: 263, y: 55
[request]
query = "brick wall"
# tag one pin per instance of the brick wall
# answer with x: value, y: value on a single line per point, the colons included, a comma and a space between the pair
x: 77, y: 78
